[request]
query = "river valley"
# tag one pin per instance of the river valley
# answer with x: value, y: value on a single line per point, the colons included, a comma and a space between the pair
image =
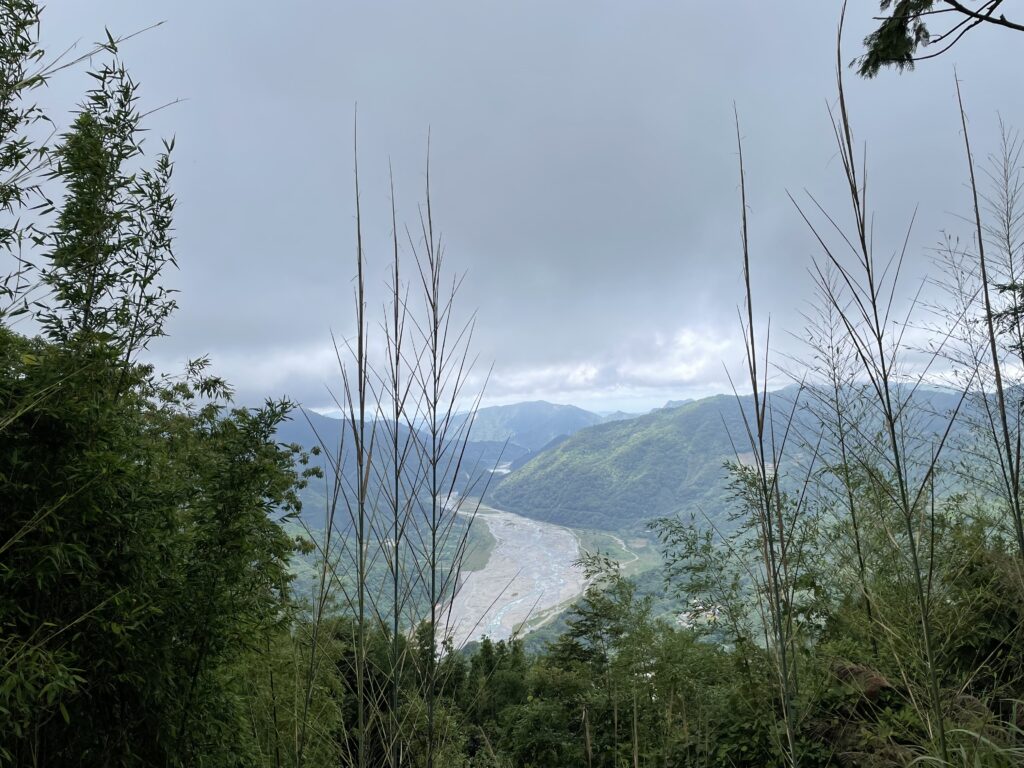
x: 529, y: 576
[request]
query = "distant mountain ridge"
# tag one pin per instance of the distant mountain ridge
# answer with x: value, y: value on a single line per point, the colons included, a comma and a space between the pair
x: 566, y: 465
x: 677, y: 403
x: 530, y: 425
x: 618, y: 416
x: 500, y: 437
x: 309, y: 429
x: 617, y: 474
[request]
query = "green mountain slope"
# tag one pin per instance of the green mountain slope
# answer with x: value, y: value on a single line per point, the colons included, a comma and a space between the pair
x: 619, y: 474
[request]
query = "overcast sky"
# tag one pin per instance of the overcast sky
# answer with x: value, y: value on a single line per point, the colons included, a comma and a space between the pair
x: 583, y: 172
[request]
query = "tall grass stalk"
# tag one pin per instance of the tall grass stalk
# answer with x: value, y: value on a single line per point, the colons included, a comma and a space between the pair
x: 864, y: 301
x: 1007, y: 445
x: 777, y: 532
x: 442, y: 350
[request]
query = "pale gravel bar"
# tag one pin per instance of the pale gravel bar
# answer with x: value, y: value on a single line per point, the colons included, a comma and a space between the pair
x: 530, y: 574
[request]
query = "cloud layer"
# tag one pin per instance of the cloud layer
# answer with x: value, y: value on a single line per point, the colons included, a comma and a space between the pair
x: 583, y: 170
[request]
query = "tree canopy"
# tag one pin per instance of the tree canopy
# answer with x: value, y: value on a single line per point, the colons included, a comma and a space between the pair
x: 906, y: 33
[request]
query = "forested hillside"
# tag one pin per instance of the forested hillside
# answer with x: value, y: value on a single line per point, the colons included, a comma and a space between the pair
x: 622, y: 474
x: 675, y: 460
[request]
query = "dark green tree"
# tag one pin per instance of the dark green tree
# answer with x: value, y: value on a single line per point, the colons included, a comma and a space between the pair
x: 906, y: 27
x: 142, y: 567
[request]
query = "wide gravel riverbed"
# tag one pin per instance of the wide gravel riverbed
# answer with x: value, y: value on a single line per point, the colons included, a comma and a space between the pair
x: 528, y: 577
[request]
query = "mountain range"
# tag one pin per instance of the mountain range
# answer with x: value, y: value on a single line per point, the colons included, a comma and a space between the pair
x: 618, y: 476
x: 531, y: 425
x: 566, y: 465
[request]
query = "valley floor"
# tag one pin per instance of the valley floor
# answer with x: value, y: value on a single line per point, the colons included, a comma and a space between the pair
x: 529, y: 577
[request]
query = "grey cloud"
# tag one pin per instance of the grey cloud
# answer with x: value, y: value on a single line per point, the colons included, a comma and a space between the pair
x: 582, y: 164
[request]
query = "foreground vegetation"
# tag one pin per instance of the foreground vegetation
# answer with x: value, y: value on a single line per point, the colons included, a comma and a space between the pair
x: 863, y: 607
